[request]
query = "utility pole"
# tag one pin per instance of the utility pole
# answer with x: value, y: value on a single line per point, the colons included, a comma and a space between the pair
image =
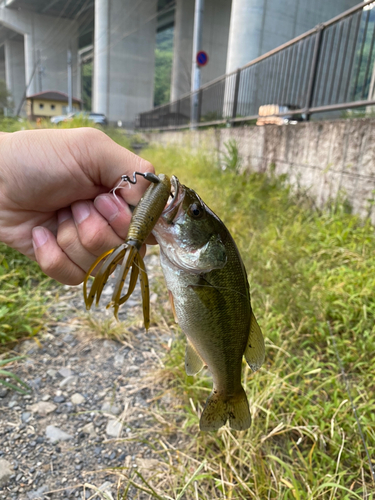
x: 196, y: 71
x: 70, y: 82
x: 40, y: 71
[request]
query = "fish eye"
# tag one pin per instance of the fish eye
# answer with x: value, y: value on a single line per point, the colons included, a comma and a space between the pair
x: 196, y: 211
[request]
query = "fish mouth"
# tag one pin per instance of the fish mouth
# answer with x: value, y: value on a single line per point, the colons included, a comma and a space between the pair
x: 175, y: 199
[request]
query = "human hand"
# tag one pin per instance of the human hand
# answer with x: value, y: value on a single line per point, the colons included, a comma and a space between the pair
x: 48, y: 181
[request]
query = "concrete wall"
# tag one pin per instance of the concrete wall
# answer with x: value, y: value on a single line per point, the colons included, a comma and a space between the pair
x: 321, y: 158
x: 214, y: 41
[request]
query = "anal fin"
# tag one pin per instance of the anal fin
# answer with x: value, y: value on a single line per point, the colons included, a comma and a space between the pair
x: 255, y: 351
x: 193, y: 362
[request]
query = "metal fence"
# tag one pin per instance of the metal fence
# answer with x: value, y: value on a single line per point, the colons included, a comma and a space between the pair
x: 330, y: 67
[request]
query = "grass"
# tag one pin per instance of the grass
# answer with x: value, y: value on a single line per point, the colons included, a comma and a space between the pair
x: 24, y: 297
x: 9, y: 379
x: 306, y: 268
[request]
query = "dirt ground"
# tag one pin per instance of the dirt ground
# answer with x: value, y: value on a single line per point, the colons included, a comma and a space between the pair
x: 89, y: 414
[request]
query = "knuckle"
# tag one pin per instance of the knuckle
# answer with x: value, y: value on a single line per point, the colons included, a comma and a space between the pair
x: 58, y: 269
x: 145, y: 166
x: 90, y: 134
x: 67, y: 238
x: 93, y: 241
x: 52, y: 265
x: 73, y: 279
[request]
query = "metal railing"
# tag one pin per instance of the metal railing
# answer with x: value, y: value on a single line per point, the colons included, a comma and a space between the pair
x: 328, y: 68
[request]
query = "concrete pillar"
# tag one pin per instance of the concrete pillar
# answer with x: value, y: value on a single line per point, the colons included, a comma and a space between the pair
x: 15, y: 70
x: 2, y: 63
x: 101, y: 56
x: 216, y: 21
x: 258, y: 26
x: 30, y: 63
x: 124, y: 56
x: 47, y: 36
x: 182, y: 48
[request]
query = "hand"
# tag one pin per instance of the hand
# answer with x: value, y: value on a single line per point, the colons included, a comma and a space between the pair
x: 52, y: 206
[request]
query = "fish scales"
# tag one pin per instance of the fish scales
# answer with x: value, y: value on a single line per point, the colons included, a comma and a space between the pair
x: 208, y: 319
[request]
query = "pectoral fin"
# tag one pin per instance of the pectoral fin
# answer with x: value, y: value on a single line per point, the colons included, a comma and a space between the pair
x: 254, y: 352
x: 193, y: 362
x: 171, y: 301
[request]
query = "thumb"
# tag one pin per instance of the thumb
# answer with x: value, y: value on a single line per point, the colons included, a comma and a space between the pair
x: 104, y: 162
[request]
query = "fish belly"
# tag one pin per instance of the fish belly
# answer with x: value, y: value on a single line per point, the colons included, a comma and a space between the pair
x: 218, y: 339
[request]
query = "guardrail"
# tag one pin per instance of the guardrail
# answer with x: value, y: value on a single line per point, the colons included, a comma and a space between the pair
x: 328, y: 68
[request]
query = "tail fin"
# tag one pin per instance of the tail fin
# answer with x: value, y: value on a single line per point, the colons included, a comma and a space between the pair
x: 219, y: 408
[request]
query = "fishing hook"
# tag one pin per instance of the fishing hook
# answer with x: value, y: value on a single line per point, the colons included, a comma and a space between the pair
x: 148, y: 176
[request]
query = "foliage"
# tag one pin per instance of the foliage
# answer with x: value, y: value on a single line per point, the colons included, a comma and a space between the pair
x: 87, y: 85
x: 10, y: 124
x: 17, y: 384
x: 23, y: 297
x: 362, y: 68
x: 163, y: 66
x: 5, y: 96
x: 305, y: 269
x: 230, y: 158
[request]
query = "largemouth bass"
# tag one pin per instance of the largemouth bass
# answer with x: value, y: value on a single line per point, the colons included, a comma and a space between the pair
x: 210, y: 297
x: 208, y: 289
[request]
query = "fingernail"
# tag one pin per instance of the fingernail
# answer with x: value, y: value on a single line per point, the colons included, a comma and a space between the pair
x: 108, y: 208
x: 81, y: 211
x: 63, y: 215
x: 40, y: 236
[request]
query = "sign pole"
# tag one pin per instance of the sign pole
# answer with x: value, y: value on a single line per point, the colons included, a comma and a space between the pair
x: 70, y: 86
x: 196, y: 72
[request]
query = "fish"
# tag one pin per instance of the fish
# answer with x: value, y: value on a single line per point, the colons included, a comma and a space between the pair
x: 208, y: 290
x: 210, y: 298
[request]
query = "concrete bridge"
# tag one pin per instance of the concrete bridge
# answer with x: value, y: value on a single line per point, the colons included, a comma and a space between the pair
x: 119, y: 35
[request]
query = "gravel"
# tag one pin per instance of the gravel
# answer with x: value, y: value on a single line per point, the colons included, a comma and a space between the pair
x: 86, y: 392
x: 5, y: 472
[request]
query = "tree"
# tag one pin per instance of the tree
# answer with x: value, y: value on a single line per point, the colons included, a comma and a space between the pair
x: 163, y: 66
x: 87, y: 85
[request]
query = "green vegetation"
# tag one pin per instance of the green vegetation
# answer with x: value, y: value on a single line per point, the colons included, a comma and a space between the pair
x: 5, y: 98
x: 163, y: 66
x: 17, y: 384
x: 24, y: 295
x: 230, y: 158
x: 305, y: 269
x: 87, y: 85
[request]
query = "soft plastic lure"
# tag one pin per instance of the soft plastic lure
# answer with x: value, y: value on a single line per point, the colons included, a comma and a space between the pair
x: 127, y: 255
